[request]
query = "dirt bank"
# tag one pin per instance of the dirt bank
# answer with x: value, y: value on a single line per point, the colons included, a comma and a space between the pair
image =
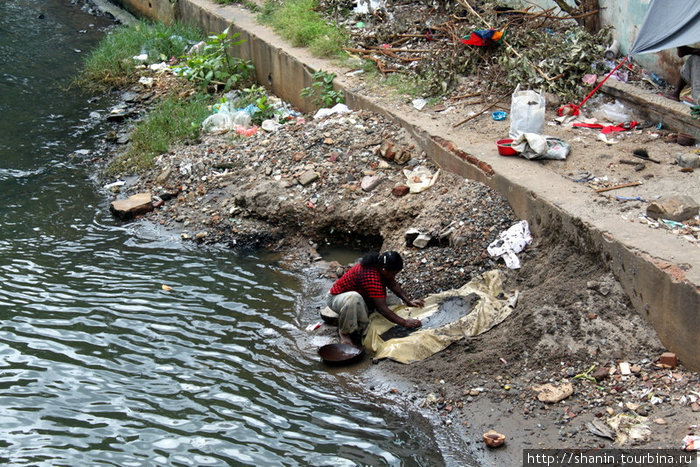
x: 314, y: 182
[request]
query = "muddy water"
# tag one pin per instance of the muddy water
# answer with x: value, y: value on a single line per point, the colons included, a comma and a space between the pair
x: 99, y: 363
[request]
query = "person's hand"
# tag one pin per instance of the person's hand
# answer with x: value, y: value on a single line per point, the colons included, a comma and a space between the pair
x: 413, y: 323
x: 420, y: 303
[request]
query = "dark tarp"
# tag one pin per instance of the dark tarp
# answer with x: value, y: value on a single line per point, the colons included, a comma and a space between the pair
x: 668, y: 24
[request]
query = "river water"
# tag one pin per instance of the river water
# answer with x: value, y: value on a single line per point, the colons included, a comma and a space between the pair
x: 99, y: 364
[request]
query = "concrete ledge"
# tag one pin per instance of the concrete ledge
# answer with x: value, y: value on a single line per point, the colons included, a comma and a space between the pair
x: 659, y: 273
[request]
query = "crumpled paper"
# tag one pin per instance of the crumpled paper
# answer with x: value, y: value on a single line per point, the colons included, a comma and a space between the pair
x: 509, y: 243
x: 420, y: 178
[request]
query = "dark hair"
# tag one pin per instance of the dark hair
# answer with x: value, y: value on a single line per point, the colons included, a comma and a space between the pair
x: 390, y: 260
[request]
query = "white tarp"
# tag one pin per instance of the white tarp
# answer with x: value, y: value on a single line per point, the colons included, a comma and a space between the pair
x: 668, y: 24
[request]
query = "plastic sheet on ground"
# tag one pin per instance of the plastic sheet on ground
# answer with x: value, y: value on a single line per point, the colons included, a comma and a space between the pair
x: 489, y: 307
x: 510, y: 242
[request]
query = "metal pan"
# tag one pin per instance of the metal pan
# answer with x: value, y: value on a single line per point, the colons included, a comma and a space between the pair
x: 340, y: 354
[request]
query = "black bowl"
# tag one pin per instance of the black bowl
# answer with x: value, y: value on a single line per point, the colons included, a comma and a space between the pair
x: 340, y: 353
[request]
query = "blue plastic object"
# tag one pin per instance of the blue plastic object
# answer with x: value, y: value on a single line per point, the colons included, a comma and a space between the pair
x: 499, y: 115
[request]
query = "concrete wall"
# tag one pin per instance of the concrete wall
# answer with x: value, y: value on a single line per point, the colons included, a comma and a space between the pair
x: 669, y: 304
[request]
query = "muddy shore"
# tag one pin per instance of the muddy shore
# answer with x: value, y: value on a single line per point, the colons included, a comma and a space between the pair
x: 314, y: 183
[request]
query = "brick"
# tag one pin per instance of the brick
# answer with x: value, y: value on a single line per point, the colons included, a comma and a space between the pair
x: 668, y: 358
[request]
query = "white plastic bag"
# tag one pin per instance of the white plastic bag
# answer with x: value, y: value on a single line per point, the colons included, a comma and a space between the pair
x: 510, y: 242
x: 614, y: 112
x: 526, y: 112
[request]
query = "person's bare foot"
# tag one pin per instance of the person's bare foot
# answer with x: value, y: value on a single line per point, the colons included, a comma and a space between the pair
x: 344, y: 339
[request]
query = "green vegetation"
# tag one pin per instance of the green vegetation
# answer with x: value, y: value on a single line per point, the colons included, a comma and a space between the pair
x: 257, y: 96
x: 321, y: 90
x: 173, y: 121
x: 299, y: 22
x: 112, y: 63
x: 248, y: 4
x: 212, y: 65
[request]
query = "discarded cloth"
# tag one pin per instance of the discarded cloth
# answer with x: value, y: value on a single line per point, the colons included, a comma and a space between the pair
x: 484, y: 37
x: 535, y: 146
x: 606, y: 129
x: 489, y: 307
x: 510, y: 242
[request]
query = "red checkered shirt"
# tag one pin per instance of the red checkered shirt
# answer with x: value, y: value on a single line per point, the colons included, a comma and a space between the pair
x: 366, y: 281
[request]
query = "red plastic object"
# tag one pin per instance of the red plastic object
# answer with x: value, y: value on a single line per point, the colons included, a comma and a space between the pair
x: 504, y: 147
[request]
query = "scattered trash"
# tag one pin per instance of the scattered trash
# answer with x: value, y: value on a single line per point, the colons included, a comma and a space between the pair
x: 589, y: 78
x: 118, y: 183
x: 625, y: 369
x: 147, y: 81
x: 167, y: 288
x: 536, y: 146
x: 509, y: 243
x: 599, y: 428
x: 484, y: 37
x: 494, y: 439
x: 629, y: 428
x: 499, y: 115
x: 526, y: 112
x: 613, y: 51
x: 336, y: 109
x: 617, y: 187
x: 142, y: 58
x: 691, y: 443
x: 418, y: 104
x: 314, y: 326
x: 420, y: 178
x: 607, y: 129
x: 643, y: 154
x: 614, y: 112
x: 582, y: 176
x: 634, y: 198
x: 369, y: 6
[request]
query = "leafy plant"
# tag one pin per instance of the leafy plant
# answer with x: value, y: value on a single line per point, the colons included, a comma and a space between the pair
x: 321, y: 90
x: 212, y: 65
x: 257, y: 96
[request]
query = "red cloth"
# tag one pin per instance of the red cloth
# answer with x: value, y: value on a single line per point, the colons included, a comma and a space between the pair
x: 366, y: 281
x: 609, y: 128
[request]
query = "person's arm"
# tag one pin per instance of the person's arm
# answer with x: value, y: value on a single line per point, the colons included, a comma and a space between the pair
x: 395, y: 287
x: 381, y: 306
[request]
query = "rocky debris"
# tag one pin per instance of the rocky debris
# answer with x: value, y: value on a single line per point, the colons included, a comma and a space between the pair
x: 304, y: 181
